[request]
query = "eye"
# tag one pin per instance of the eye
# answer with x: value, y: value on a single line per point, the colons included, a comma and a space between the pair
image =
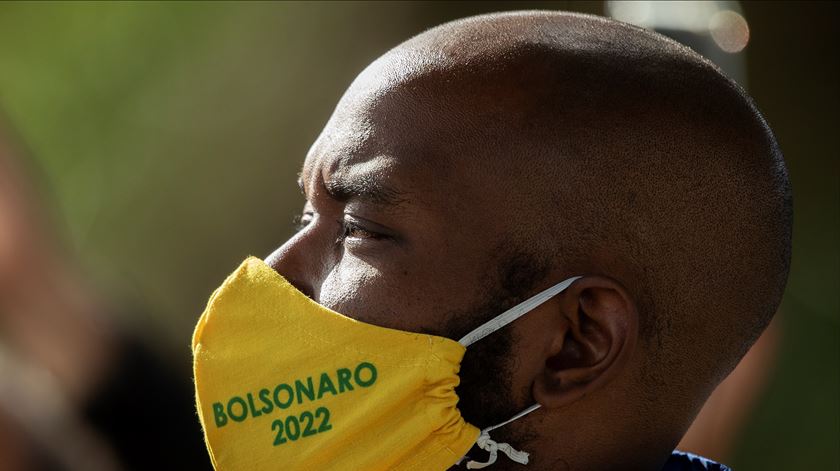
x: 301, y: 221
x: 353, y: 230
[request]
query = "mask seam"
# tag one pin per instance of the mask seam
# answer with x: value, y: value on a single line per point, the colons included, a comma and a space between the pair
x: 429, y: 423
x: 435, y: 436
x: 426, y: 381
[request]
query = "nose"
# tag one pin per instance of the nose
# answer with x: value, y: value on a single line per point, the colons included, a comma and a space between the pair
x: 291, y: 262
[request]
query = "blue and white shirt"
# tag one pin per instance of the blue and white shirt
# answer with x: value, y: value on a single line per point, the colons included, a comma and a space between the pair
x: 682, y: 461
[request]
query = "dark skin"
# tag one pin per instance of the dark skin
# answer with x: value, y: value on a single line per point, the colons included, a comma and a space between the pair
x: 390, y: 239
x: 546, y: 142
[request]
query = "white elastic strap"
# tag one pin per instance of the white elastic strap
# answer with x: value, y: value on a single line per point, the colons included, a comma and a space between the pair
x: 488, y: 444
x: 514, y: 313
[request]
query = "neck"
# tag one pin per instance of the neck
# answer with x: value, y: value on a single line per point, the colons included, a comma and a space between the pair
x: 597, y: 433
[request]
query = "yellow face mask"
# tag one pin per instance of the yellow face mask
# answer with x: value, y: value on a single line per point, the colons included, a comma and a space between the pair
x: 285, y: 383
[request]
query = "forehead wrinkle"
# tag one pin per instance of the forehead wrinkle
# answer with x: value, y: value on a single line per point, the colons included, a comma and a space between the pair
x: 372, y: 179
x: 341, y: 137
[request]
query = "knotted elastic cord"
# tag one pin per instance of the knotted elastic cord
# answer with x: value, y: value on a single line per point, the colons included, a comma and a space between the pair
x: 488, y: 444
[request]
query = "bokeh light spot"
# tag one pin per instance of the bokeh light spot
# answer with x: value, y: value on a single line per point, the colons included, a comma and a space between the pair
x: 729, y: 30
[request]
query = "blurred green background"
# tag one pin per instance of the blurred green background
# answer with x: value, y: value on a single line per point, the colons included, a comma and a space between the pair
x: 169, y: 136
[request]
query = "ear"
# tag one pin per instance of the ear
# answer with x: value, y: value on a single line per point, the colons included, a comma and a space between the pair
x: 592, y: 344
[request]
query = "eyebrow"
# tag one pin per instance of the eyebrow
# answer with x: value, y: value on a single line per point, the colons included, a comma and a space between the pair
x: 360, y: 187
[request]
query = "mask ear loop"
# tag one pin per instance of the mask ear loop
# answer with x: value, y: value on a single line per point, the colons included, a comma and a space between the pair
x: 515, y: 312
x: 484, y: 441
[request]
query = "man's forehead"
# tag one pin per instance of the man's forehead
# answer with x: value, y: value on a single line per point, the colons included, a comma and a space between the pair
x: 352, y: 171
x: 330, y: 166
x: 408, y: 122
x: 372, y: 139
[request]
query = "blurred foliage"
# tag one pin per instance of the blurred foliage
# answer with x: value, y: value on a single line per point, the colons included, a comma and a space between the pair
x: 169, y: 136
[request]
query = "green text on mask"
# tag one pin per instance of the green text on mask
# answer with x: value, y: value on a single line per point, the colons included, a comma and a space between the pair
x: 284, y: 395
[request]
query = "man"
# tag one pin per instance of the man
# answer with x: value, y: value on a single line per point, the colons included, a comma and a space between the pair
x: 487, y: 159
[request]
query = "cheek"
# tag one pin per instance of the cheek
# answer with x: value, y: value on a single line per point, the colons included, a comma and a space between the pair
x: 415, y: 292
x: 392, y: 298
x: 344, y: 286
x: 363, y: 292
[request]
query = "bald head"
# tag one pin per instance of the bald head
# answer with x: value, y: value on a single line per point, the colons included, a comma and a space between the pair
x: 514, y: 150
x: 608, y: 148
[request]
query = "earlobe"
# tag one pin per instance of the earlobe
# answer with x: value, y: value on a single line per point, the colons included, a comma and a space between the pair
x: 597, y: 338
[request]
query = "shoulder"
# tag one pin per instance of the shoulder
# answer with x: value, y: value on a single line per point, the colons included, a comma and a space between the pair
x: 682, y: 461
